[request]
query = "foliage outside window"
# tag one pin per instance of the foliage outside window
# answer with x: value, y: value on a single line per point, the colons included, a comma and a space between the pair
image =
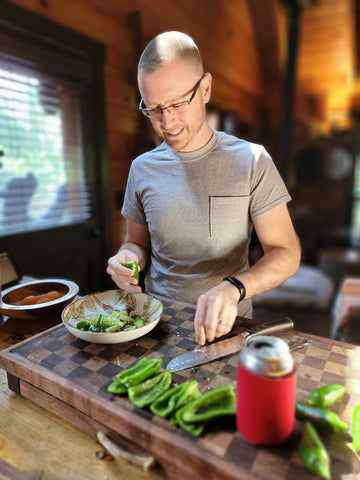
x: 356, y: 196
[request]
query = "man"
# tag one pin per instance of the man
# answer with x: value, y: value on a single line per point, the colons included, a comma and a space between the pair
x: 191, y: 203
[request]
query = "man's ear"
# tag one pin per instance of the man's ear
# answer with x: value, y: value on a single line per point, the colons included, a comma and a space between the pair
x: 206, y: 86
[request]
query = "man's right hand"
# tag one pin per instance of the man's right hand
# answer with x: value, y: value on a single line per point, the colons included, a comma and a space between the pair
x: 120, y: 274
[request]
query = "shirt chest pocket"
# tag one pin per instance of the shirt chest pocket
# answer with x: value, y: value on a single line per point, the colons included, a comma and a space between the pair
x: 229, y: 217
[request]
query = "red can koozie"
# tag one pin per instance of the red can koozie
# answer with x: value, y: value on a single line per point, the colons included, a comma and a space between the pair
x: 266, y: 391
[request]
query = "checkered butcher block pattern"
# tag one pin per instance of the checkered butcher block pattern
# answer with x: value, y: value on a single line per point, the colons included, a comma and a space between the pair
x: 77, y: 374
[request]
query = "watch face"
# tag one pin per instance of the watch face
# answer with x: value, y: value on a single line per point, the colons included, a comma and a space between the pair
x: 338, y: 164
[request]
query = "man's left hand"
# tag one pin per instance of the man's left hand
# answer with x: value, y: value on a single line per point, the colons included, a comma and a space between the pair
x: 216, y: 312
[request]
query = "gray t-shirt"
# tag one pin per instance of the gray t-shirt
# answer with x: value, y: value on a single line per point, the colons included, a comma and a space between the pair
x: 198, y: 207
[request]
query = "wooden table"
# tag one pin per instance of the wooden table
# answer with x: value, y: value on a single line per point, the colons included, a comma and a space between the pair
x: 37, y: 442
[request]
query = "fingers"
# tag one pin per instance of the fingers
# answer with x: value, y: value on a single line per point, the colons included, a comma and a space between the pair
x: 215, y: 316
x: 199, y: 324
x: 212, y: 317
x: 120, y: 274
x: 209, y: 323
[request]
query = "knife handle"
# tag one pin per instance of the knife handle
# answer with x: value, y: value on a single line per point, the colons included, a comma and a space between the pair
x: 269, y: 327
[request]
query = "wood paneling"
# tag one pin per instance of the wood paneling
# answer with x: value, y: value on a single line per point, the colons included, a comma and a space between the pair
x: 326, y: 49
x: 243, y: 43
x: 223, y: 31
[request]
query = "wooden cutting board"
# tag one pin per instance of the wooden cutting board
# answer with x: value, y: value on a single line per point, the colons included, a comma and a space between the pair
x: 70, y: 377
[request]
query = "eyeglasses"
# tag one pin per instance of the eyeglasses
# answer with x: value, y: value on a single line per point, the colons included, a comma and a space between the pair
x: 180, y: 107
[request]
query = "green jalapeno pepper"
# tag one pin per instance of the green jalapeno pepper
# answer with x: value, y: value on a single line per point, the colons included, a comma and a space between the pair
x: 356, y: 428
x: 173, y: 399
x: 321, y: 418
x: 134, y: 267
x: 313, y: 451
x: 326, y: 396
x: 140, y: 372
x: 147, y: 392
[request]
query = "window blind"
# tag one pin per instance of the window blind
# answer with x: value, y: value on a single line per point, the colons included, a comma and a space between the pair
x: 42, y: 175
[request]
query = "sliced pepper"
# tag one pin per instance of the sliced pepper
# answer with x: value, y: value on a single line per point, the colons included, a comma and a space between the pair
x: 326, y: 396
x: 94, y: 329
x: 83, y: 325
x: 356, y: 428
x: 188, y: 395
x: 166, y: 403
x: 313, y: 451
x: 145, y: 393
x: 140, y: 372
x: 195, y: 429
x: 134, y: 267
x: 195, y: 415
x: 139, y: 322
x: 323, y: 419
x: 214, y: 403
x: 173, y: 399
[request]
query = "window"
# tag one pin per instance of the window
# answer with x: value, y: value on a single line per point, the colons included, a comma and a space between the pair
x: 42, y: 180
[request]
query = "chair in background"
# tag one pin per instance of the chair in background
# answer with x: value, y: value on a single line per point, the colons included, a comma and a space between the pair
x: 339, y: 263
x: 345, y: 324
x: 306, y: 298
x: 309, y: 289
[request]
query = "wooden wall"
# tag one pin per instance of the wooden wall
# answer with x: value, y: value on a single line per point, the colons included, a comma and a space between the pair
x: 223, y: 30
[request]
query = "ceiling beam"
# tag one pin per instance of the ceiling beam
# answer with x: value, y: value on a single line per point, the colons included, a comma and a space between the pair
x: 264, y: 21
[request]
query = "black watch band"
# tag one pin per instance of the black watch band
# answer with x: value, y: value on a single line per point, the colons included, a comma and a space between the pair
x: 239, y: 285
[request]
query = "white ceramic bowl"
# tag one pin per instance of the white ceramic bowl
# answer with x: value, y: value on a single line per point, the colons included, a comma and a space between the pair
x: 11, y: 298
x: 105, y: 302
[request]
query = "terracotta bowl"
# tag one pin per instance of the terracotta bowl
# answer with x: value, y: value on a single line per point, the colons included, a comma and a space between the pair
x: 11, y: 298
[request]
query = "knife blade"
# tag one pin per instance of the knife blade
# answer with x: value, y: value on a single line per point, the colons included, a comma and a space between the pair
x: 225, y: 347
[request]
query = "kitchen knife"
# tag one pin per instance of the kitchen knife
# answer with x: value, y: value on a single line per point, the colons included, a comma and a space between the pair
x: 225, y: 347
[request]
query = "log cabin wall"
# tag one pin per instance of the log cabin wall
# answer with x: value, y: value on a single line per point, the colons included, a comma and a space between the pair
x: 224, y: 33
x: 244, y: 46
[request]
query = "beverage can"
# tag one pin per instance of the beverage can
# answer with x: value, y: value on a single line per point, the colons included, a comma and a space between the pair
x: 266, y: 391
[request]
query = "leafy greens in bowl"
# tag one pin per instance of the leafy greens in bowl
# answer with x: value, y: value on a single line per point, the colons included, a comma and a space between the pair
x: 113, y: 316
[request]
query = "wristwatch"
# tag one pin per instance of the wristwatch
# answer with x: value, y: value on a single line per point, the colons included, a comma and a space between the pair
x: 239, y: 285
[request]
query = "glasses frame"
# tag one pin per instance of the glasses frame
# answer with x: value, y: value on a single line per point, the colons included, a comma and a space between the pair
x: 158, y: 111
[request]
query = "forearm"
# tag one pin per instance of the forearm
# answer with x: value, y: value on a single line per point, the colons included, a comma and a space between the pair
x: 276, y: 266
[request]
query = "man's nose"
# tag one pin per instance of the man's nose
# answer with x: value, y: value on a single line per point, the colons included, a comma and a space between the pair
x: 167, y: 117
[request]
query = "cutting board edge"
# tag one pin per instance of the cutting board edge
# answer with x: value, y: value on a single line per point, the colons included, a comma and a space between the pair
x: 99, y: 409
x: 172, y: 450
